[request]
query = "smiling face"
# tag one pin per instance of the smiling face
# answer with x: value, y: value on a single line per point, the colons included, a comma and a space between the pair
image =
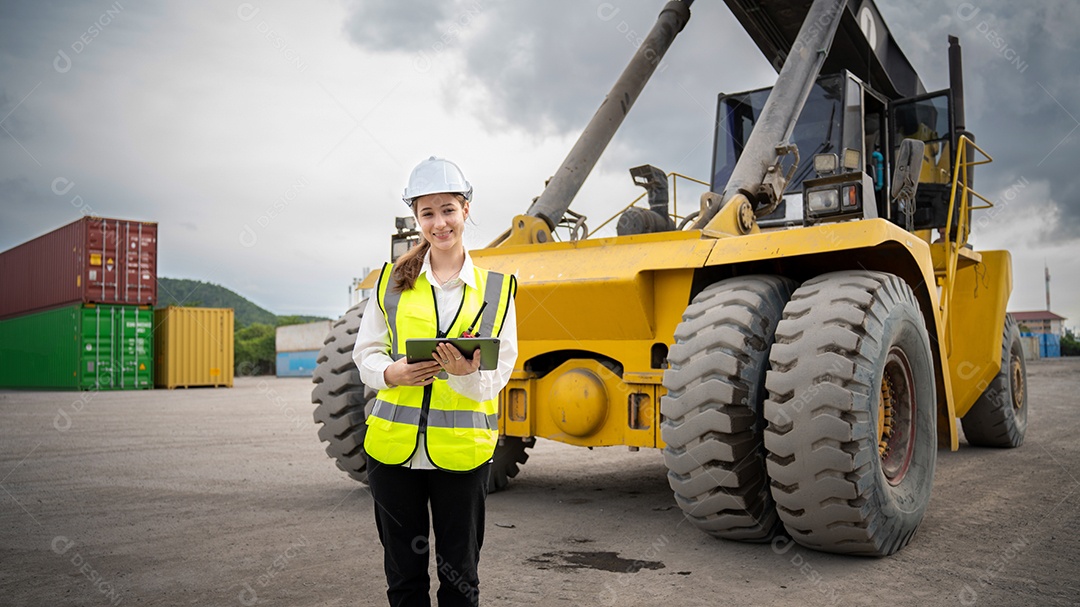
x: 441, y: 218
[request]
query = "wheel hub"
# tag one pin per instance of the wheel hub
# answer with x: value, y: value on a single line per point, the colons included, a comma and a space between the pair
x: 896, y: 417
x: 1017, y: 383
x: 885, y: 411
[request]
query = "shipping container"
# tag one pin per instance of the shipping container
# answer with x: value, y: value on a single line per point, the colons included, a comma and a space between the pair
x: 300, y: 338
x: 194, y: 347
x: 79, y: 347
x: 296, y: 364
x: 93, y: 260
x: 1049, y: 345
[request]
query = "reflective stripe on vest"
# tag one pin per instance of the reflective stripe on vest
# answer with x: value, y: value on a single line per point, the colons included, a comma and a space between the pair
x: 460, y: 433
x: 389, y: 304
x: 437, y: 418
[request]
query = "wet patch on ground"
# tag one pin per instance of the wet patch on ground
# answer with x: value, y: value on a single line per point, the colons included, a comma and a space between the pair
x: 571, y: 560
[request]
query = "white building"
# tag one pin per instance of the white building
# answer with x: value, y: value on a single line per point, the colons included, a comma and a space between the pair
x: 1041, y: 321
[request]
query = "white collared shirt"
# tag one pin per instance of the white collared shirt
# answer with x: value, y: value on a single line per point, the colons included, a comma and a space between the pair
x: 371, y: 352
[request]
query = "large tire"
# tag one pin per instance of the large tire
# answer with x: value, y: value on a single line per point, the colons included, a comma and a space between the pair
x: 999, y: 417
x: 505, y: 464
x: 343, y: 403
x: 712, y: 411
x: 852, y: 414
x: 342, y: 400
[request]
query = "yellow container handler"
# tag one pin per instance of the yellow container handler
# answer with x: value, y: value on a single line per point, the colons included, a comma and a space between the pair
x: 802, y: 343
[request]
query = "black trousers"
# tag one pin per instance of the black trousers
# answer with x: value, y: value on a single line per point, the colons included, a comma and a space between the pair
x: 401, y: 497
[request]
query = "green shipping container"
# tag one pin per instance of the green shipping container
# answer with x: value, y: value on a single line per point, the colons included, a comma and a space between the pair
x: 80, y: 347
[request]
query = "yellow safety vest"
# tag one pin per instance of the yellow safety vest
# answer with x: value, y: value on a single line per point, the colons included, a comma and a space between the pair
x: 460, y: 433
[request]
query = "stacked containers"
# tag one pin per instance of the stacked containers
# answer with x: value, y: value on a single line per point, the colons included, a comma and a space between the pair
x: 298, y: 348
x: 82, y: 293
x: 193, y: 347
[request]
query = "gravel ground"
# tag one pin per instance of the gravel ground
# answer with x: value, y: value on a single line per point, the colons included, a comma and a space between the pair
x: 225, y: 497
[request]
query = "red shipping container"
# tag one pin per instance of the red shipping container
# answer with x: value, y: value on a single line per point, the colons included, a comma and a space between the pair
x: 93, y: 260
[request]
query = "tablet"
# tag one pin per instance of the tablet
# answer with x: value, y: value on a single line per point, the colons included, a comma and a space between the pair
x: 417, y: 350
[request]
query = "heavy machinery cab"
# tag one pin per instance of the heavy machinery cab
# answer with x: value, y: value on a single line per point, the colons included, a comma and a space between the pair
x: 847, y: 119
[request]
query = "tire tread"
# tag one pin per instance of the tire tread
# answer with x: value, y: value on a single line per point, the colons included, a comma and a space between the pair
x: 712, y: 423
x: 820, y: 436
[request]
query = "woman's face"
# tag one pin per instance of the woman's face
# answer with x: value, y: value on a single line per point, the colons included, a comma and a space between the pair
x: 442, y: 220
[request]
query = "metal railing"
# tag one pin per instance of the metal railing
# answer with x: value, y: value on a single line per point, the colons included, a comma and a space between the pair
x: 674, y: 178
x: 952, y: 246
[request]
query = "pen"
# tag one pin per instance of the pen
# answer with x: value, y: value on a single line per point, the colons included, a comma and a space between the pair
x: 469, y: 332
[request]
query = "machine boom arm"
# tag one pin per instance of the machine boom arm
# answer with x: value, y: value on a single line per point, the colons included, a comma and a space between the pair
x: 760, y: 158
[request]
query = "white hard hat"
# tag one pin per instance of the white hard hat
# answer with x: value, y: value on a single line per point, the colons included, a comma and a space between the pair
x: 436, y: 176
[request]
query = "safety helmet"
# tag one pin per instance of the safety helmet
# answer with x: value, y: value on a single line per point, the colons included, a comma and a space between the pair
x: 436, y: 176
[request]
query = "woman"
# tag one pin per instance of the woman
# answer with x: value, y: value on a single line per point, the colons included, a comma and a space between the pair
x: 433, y: 428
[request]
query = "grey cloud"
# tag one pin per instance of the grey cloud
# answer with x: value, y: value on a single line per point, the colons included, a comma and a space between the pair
x: 540, y: 63
x: 396, y: 26
x: 557, y: 73
x: 546, y: 67
x: 11, y: 120
x: 28, y: 209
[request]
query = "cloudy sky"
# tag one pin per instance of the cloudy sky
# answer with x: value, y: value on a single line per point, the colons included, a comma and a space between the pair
x: 271, y: 140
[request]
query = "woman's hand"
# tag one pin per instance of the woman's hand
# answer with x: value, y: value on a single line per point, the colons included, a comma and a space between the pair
x: 454, y: 362
x: 401, y: 373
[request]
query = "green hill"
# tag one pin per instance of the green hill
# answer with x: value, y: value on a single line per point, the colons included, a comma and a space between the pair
x: 199, y: 294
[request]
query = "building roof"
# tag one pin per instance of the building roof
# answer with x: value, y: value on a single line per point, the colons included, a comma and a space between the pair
x: 1036, y: 315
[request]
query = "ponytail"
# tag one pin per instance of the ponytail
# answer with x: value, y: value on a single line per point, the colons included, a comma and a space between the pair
x: 407, y: 267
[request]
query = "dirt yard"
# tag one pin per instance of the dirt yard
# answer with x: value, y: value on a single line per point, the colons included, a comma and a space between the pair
x: 225, y: 497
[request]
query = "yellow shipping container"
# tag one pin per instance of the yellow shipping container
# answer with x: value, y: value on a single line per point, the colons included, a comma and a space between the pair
x: 193, y: 347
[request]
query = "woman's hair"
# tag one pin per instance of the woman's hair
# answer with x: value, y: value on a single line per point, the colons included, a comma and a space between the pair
x: 407, y: 267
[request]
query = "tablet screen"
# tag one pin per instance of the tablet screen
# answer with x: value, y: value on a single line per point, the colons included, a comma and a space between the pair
x: 417, y: 350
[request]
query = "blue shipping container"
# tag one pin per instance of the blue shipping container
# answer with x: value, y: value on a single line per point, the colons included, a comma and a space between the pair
x: 1049, y: 345
x: 296, y: 364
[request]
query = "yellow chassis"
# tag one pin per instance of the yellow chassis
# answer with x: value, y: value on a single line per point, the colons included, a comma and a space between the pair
x: 595, y: 317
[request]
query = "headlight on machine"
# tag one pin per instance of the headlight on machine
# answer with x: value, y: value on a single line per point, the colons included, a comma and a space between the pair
x: 823, y: 202
x: 838, y: 198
